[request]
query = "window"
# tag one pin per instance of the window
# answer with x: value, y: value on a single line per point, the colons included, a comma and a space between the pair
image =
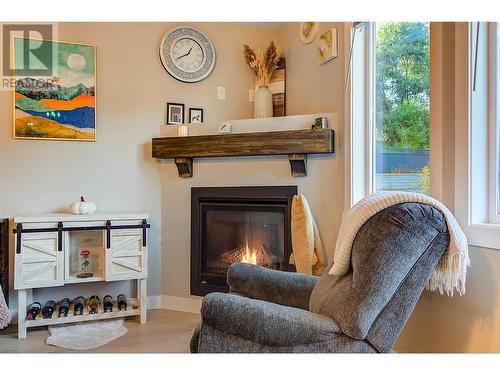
x: 401, y: 133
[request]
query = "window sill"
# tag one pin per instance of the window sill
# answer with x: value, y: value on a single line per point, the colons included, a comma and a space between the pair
x: 483, y: 235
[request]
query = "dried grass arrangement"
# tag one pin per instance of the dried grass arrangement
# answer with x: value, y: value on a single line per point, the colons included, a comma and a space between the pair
x: 262, y: 64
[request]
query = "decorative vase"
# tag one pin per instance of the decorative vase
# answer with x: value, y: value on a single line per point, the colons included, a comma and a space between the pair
x: 263, y: 102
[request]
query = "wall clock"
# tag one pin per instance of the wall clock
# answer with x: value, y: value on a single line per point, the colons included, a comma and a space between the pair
x: 187, y: 54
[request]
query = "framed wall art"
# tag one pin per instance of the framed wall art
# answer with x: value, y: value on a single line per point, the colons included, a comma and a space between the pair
x: 175, y: 114
x: 195, y: 115
x: 61, y: 107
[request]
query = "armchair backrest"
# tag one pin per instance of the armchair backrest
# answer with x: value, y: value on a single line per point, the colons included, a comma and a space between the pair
x: 393, y: 256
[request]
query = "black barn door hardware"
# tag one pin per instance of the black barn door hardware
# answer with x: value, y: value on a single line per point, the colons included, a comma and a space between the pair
x: 19, y: 230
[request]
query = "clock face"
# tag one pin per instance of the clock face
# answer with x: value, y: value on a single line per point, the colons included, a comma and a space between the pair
x: 187, y: 54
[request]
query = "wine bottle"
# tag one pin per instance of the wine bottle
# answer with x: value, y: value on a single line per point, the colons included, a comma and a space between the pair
x: 48, y: 309
x: 64, y: 307
x: 107, y: 303
x: 94, y: 304
x: 78, y: 305
x: 33, y: 311
x: 121, y: 301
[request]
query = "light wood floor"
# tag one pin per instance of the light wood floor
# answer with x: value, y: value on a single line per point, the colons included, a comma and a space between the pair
x: 166, y: 332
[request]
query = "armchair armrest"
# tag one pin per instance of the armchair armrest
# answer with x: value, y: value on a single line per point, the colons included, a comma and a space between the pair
x: 285, y: 288
x: 264, y: 322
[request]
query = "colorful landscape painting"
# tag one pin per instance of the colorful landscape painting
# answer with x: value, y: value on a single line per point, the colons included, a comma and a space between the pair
x: 63, y: 106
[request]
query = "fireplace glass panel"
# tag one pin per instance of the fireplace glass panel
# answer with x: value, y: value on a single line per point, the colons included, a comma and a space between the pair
x: 242, y: 234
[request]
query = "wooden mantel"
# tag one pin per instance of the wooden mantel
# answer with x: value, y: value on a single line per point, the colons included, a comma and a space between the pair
x: 294, y: 143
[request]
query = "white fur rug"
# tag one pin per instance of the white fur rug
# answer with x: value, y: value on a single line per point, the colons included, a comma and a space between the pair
x: 84, y: 336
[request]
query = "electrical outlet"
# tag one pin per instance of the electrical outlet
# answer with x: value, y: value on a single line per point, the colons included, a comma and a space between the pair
x: 251, y: 95
x: 221, y: 93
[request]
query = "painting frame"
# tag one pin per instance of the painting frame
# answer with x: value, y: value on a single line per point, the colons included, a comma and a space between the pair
x: 192, y: 112
x: 92, y: 89
x: 170, y: 114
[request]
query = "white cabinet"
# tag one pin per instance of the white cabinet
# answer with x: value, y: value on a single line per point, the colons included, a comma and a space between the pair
x: 39, y: 263
x: 58, y: 249
x: 127, y: 257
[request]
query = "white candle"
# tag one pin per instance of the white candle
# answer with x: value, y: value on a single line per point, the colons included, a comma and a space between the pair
x: 182, y: 131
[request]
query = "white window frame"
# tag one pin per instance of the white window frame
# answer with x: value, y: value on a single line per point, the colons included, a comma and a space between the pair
x: 359, y: 129
x: 494, y: 126
x: 473, y: 116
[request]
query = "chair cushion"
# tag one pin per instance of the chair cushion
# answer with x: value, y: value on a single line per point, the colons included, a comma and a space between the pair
x: 385, y: 250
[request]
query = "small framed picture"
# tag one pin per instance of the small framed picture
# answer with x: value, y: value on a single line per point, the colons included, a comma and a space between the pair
x: 195, y: 115
x: 175, y: 114
x: 327, y: 46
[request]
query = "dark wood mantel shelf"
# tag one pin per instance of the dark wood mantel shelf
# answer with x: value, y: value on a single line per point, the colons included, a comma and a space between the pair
x: 294, y: 143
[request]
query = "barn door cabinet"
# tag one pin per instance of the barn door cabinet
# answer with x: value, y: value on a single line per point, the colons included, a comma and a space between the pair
x: 48, y: 254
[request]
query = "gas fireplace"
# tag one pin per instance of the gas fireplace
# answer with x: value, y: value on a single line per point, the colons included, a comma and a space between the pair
x: 238, y: 224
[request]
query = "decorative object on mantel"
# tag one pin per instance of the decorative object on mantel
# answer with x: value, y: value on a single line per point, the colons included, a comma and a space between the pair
x: 263, y: 65
x: 320, y: 123
x: 224, y: 128
x: 327, y: 46
x: 187, y: 54
x: 307, y: 31
x: 86, y: 336
x: 294, y: 143
x: 83, y: 207
x: 195, y: 115
x: 277, y: 85
x: 175, y: 113
x: 182, y: 131
x: 62, y: 108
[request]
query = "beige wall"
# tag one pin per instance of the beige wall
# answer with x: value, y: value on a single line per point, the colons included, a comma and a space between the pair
x: 311, y: 88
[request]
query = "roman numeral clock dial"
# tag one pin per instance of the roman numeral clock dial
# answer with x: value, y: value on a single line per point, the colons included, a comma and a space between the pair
x: 187, y: 54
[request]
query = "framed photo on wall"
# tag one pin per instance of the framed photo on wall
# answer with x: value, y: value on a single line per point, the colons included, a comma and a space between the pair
x: 195, y: 115
x: 175, y: 113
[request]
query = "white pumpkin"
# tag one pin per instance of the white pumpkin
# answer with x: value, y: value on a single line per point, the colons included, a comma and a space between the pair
x: 83, y: 207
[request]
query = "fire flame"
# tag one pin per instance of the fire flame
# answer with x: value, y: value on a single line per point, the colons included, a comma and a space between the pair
x: 249, y: 256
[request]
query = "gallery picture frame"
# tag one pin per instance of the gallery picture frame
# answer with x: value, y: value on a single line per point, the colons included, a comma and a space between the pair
x: 175, y: 113
x: 195, y: 115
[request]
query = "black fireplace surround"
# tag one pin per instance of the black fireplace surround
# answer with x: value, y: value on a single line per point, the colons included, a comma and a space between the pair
x: 233, y: 224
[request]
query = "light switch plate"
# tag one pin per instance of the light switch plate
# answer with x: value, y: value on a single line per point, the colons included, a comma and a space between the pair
x: 221, y: 93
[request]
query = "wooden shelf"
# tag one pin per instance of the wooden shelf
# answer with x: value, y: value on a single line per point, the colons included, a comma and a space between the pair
x: 294, y: 143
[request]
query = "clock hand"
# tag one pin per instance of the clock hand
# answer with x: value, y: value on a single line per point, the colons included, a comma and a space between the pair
x: 186, y: 54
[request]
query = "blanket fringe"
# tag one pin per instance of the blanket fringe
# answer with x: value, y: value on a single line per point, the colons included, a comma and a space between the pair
x: 450, y: 274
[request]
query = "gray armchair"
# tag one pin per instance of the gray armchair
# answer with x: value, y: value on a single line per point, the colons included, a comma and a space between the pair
x: 364, y: 311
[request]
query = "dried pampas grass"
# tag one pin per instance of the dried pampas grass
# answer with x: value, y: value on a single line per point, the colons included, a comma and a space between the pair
x: 262, y: 64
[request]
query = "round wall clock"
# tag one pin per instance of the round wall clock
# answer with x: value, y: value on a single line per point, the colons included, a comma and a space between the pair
x: 187, y: 54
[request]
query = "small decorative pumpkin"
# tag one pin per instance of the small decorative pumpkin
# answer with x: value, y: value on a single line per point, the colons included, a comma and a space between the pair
x: 83, y: 207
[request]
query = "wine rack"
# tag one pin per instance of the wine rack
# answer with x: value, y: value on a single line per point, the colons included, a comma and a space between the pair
x: 48, y: 250
x: 133, y: 309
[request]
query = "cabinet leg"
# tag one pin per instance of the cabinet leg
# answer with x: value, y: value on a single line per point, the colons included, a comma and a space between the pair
x: 143, y: 299
x: 21, y: 314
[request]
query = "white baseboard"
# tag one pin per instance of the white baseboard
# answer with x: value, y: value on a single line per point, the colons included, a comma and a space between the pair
x: 184, y: 304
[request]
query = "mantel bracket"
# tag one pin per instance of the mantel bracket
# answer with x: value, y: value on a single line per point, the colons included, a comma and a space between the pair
x: 298, y: 164
x: 184, y: 167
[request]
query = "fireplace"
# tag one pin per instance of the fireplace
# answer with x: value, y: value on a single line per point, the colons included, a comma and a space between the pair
x: 238, y: 224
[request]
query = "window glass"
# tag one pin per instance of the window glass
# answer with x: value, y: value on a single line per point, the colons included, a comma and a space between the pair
x: 402, y: 106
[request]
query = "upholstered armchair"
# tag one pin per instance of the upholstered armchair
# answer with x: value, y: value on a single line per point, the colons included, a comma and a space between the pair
x: 393, y: 256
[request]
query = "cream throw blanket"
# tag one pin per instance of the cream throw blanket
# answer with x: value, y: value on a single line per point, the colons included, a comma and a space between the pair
x: 451, y: 270
x: 308, y: 254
